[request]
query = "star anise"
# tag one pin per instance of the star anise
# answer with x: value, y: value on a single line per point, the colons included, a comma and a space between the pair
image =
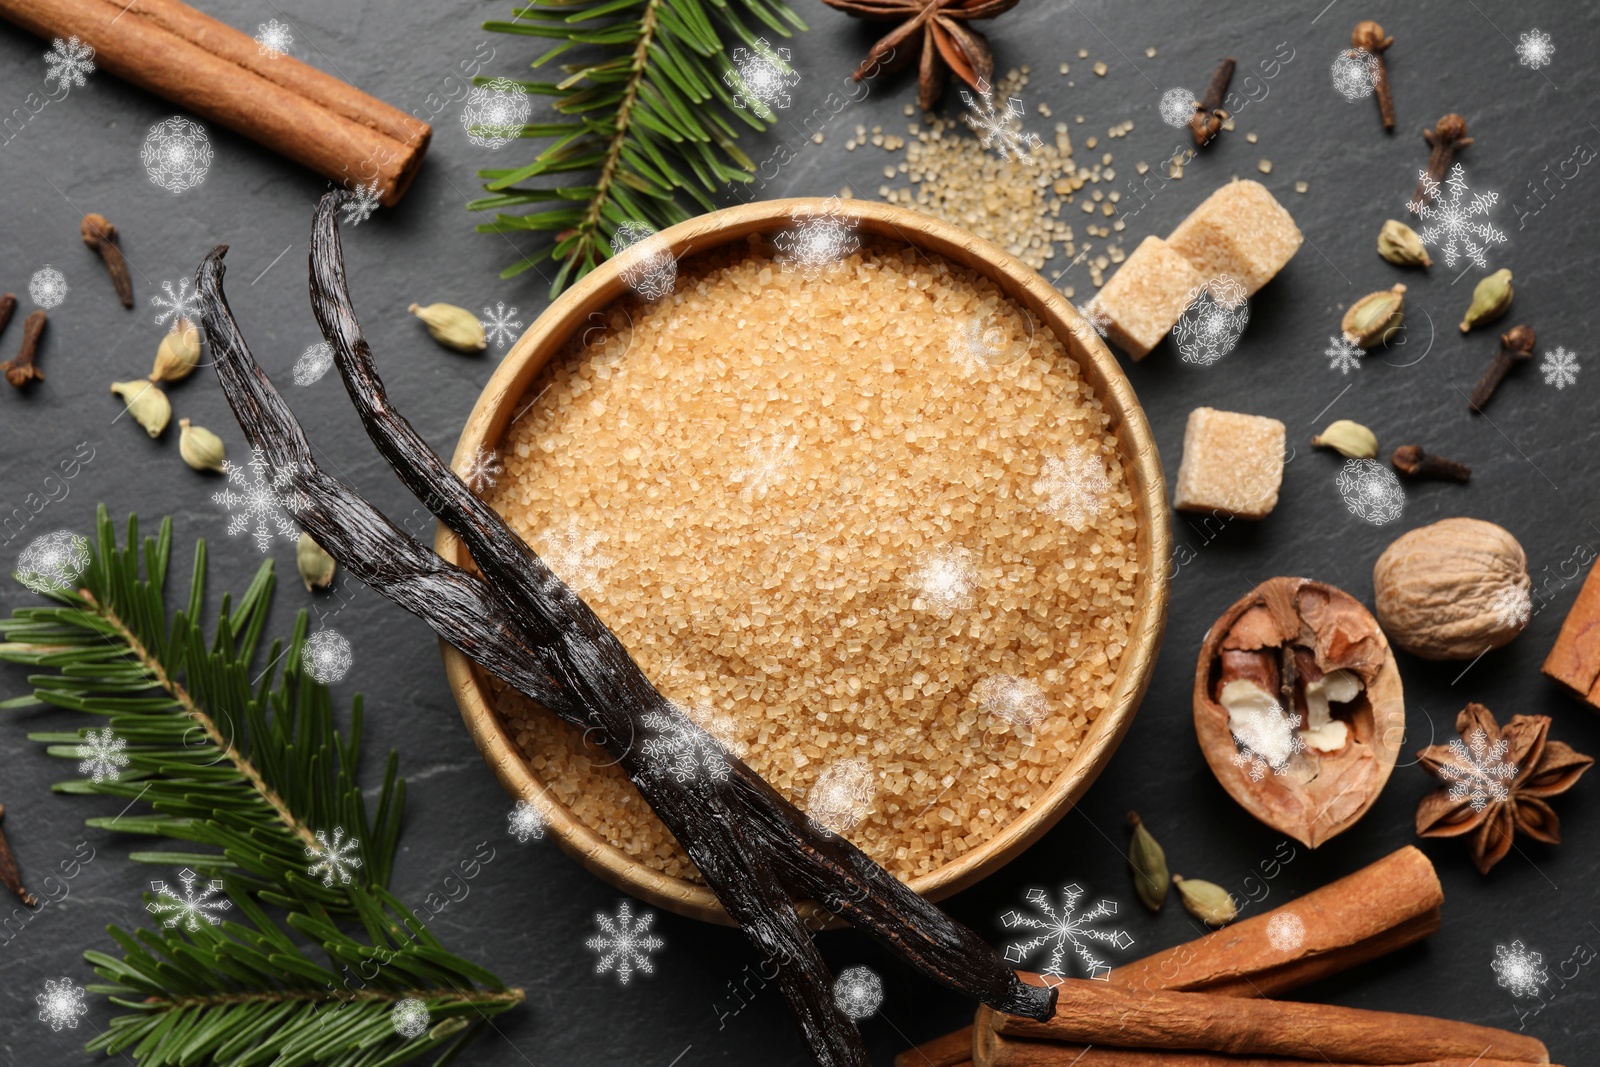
x: 1498, y: 780
x: 935, y: 32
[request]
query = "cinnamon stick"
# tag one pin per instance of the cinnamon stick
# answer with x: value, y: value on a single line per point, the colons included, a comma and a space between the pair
x: 952, y: 1050
x: 1009, y: 1052
x: 1378, y: 909
x: 1096, y: 1013
x: 1574, y: 660
x: 218, y: 73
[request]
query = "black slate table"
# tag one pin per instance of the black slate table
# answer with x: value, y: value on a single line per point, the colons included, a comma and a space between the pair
x: 529, y: 910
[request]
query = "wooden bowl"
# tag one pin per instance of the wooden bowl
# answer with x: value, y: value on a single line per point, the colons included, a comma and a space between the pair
x: 571, y: 312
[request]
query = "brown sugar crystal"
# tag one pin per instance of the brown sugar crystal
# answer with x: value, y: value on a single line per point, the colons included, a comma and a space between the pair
x: 1240, y: 230
x: 1232, y: 464
x: 1146, y: 296
x: 871, y: 525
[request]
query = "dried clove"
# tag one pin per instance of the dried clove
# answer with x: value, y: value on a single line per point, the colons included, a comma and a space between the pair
x: 8, y: 304
x: 1368, y: 35
x: 21, y: 370
x: 1413, y: 462
x: 101, y: 236
x: 1516, y: 346
x: 10, y: 877
x: 1447, y: 136
x: 1209, y: 116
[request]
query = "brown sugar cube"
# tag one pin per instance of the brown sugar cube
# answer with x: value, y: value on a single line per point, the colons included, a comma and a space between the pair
x: 1232, y: 464
x: 1240, y: 230
x: 1575, y: 659
x: 1146, y: 296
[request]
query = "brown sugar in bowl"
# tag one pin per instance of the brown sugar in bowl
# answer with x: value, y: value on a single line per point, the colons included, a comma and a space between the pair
x: 583, y: 308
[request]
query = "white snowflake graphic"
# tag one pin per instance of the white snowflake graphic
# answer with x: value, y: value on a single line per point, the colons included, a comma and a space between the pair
x: 944, y: 583
x: 48, y: 287
x: 648, y: 267
x: 526, y: 822
x: 1059, y: 926
x: 999, y: 128
x: 53, y: 562
x: 360, y: 204
x: 1095, y: 317
x: 333, y: 859
x: 189, y: 907
x: 482, y: 469
x: 1286, y: 932
x: 273, y: 39
x: 689, y: 747
x: 60, y: 1004
x: 1481, y: 770
x: 500, y: 324
x: 1213, y: 321
x: 858, y: 991
x: 176, y: 154
x: 409, y: 1017
x: 1017, y: 702
x: 313, y: 363
x: 981, y: 343
x: 1178, y: 107
x: 1343, y: 354
x: 102, y: 754
x: 1512, y: 606
x: 1267, y: 739
x: 768, y: 459
x: 818, y: 241
x: 761, y: 77
x: 1370, y: 490
x: 1534, y: 49
x: 1074, y: 487
x: 178, y: 304
x: 841, y: 797
x: 495, y: 113
x: 624, y: 944
x: 1355, y: 73
x: 68, y: 61
x: 574, y: 555
x: 263, y: 505
x: 326, y: 656
x: 1450, y: 226
x: 1519, y: 971
x: 1560, y: 368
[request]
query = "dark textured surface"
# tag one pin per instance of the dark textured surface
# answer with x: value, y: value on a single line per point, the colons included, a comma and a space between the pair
x: 529, y: 910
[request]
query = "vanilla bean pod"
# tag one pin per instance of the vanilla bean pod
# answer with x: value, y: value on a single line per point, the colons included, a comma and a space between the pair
x: 520, y: 622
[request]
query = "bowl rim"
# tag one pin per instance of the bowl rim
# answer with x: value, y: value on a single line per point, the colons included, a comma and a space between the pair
x: 550, y: 332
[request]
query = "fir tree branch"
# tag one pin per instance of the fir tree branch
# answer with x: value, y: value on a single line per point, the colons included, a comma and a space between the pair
x: 158, y: 673
x: 649, y: 112
x: 270, y: 767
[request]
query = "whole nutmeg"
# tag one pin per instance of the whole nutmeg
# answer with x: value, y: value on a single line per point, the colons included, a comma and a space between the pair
x: 1453, y: 590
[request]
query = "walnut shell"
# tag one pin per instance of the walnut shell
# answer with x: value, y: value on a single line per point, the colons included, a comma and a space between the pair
x: 1453, y: 590
x: 1304, y: 630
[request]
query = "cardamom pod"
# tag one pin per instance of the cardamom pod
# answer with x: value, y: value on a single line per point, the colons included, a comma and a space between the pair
x: 1350, y: 439
x: 1400, y: 245
x: 200, y: 448
x: 1206, y: 901
x: 1490, y: 299
x: 148, y: 405
x: 1374, y: 318
x: 1149, y: 865
x: 316, y: 566
x: 179, y: 353
x: 454, y: 327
